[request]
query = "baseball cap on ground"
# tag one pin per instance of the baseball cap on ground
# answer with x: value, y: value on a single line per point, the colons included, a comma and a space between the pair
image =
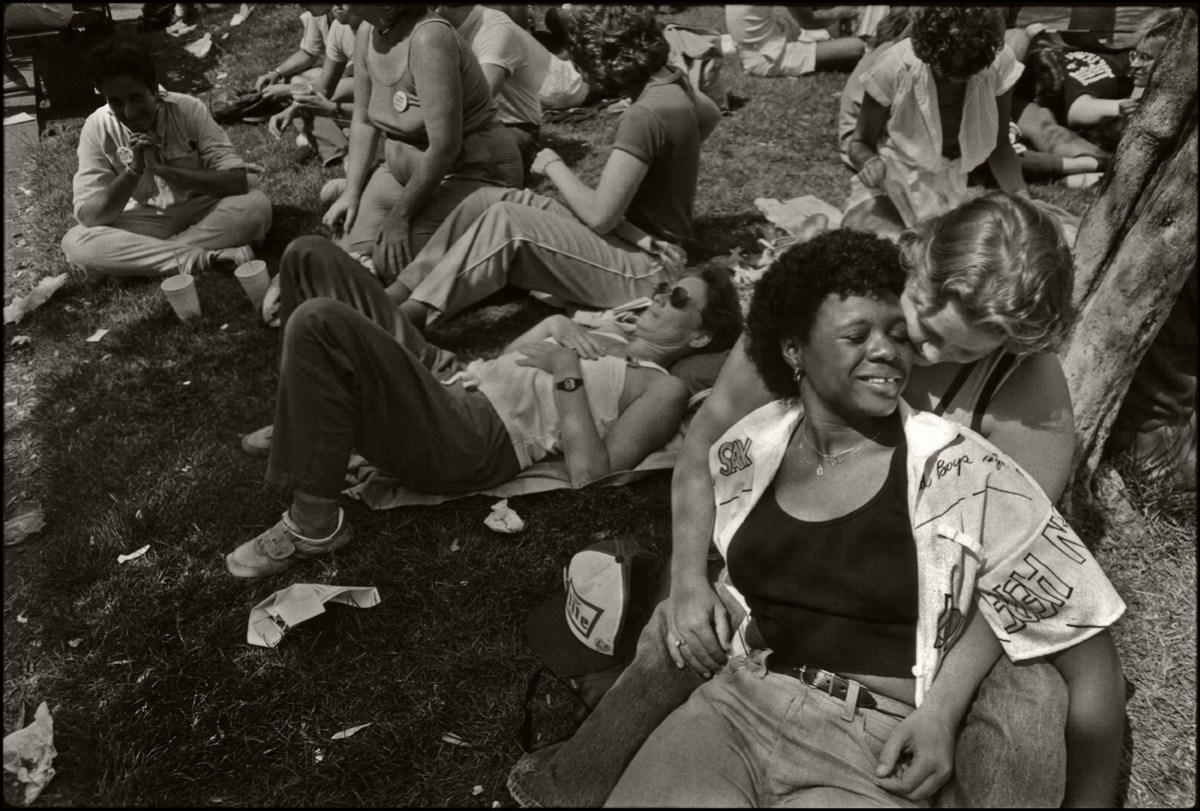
x: 610, y: 590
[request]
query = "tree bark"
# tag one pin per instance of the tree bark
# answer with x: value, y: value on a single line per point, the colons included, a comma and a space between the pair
x: 1135, y: 248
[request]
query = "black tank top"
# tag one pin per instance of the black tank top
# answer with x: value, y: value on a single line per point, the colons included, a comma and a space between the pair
x: 841, y: 594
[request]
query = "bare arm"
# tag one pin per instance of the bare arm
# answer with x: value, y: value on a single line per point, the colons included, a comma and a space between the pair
x: 298, y: 61
x: 919, y: 754
x: 104, y: 206
x: 645, y: 424
x: 433, y: 62
x: 602, y: 208
x: 695, y: 613
x: 213, y: 182
x: 1095, y: 721
x: 812, y: 18
x: 363, y: 135
x: 1030, y: 419
x: 1003, y: 161
x: 1087, y: 111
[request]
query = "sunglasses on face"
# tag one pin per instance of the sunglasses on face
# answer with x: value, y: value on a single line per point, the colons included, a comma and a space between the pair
x: 677, y: 296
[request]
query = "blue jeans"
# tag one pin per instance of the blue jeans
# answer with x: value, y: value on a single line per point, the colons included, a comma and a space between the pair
x: 1010, y: 751
x: 751, y: 738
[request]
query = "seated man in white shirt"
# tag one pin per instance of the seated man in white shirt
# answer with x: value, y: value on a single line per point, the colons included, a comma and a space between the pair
x: 515, y: 66
x: 160, y: 189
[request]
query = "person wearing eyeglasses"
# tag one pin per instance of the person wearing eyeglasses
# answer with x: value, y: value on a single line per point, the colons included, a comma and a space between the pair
x: 356, y: 376
x: 1095, y: 93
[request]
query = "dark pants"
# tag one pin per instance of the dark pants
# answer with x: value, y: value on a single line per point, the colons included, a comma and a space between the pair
x: 363, y: 382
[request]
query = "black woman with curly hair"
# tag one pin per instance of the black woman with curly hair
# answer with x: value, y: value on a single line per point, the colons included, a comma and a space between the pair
x: 936, y: 106
x: 872, y: 551
x: 602, y: 246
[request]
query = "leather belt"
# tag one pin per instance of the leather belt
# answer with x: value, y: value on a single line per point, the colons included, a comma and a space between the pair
x: 836, y: 686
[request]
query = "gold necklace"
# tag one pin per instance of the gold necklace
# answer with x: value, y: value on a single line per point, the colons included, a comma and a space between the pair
x: 832, y: 459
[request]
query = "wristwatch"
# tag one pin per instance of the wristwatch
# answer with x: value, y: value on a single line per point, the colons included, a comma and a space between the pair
x: 569, y: 384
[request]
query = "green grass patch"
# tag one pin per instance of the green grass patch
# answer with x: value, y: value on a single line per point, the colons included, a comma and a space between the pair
x: 135, y: 440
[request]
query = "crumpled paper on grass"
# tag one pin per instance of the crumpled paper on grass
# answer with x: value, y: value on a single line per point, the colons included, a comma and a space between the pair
x: 200, y: 47
x: 29, y: 751
x: 23, y: 305
x: 794, y: 215
x: 287, y: 608
x: 27, y: 520
x: 503, y: 519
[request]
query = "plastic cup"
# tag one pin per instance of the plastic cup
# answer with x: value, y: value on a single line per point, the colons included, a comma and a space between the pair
x: 181, y: 292
x: 255, y: 279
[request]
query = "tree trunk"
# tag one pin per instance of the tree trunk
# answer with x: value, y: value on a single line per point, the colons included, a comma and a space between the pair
x: 1135, y: 248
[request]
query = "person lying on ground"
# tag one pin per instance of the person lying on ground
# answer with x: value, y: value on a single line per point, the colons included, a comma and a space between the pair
x: 160, y: 188
x: 514, y: 64
x: 417, y: 84
x: 1093, y: 94
x: 986, y: 300
x: 863, y: 542
x: 603, y: 246
x: 320, y: 112
x: 796, y: 40
x: 350, y: 383
x: 937, y: 105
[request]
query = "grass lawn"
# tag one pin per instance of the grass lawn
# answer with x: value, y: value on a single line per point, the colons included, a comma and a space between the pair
x: 157, y: 698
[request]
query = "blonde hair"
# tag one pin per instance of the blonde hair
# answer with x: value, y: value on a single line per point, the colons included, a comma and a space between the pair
x: 1003, y: 260
x: 1159, y: 23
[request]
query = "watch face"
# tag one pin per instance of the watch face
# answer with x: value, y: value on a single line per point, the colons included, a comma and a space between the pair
x: 570, y: 384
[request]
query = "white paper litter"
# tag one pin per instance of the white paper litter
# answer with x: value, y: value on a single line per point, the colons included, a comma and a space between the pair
x: 318, y: 755
x: 346, y: 733
x: 200, y: 47
x: 27, y: 519
x: 97, y: 335
x: 503, y: 519
x: 21, y: 618
x: 19, y: 118
x: 242, y: 14
x: 75, y: 643
x: 798, y: 215
x: 28, y: 753
x: 475, y: 792
x: 454, y: 740
x: 287, y: 608
x: 23, y: 305
x: 133, y: 555
x: 179, y: 29
x: 21, y: 340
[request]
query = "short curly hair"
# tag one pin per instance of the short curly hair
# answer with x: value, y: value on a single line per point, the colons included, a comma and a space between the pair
x: 956, y: 42
x: 616, y: 48
x: 788, y: 296
x: 113, y: 58
x: 722, y: 315
x: 1004, y: 261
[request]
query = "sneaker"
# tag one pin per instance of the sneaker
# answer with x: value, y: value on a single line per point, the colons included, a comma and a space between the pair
x: 227, y: 260
x: 332, y: 190
x: 281, y: 547
x: 258, y: 443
